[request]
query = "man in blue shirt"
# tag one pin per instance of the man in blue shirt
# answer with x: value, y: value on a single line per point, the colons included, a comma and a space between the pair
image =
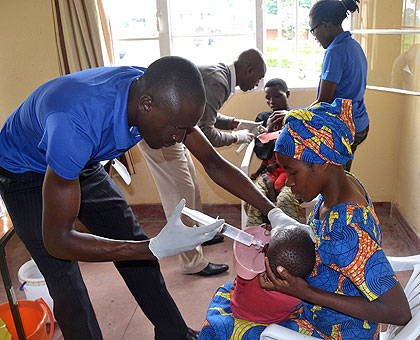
x: 50, y: 175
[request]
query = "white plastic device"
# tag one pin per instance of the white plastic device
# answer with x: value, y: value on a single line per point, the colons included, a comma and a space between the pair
x: 226, y: 229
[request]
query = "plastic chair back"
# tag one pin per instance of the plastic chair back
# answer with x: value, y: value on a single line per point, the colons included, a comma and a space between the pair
x: 412, y: 290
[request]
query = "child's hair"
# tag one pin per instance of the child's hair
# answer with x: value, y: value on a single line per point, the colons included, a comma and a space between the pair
x: 277, y: 82
x: 293, y: 249
x: 334, y: 11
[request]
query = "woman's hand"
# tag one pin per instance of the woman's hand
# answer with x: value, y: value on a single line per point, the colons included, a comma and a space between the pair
x: 272, y: 167
x: 288, y: 283
x: 275, y: 121
x: 391, y: 307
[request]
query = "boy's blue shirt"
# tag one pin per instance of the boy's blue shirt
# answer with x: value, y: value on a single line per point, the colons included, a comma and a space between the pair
x: 70, y: 122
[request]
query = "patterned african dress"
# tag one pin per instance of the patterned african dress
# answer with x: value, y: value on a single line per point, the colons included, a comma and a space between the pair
x: 349, y: 261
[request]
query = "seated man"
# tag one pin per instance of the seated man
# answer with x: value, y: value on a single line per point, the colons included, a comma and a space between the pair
x: 242, y: 307
x: 270, y: 177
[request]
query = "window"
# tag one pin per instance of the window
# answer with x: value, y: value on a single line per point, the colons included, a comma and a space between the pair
x: 135, y: 31
x: 208, y: 32
x: 390, y: 36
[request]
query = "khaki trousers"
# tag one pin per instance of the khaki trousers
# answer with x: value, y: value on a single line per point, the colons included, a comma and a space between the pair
x: 175, y: 178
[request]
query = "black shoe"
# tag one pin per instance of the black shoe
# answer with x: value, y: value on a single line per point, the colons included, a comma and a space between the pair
x: 216, y: 239
x: 213, y: 269
x: 191, y: 335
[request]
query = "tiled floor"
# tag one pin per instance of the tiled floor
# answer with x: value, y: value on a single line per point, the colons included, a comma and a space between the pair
x: 117, y: 312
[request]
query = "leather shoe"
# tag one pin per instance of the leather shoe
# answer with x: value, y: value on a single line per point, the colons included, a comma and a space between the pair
x: 213, y: 269
x: 216, y: 239
x: 191, y: 335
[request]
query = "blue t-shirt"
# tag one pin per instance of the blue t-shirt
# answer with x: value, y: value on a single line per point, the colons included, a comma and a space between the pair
x: 345, y: 64
x: 70, y: 122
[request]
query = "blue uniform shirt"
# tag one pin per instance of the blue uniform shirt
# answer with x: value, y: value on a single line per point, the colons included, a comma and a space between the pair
x: 70, y: 122
x: 345, y: 64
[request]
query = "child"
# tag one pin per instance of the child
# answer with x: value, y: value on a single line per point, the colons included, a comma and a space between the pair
x: 270, y: 177
x: 276, y: 95
x: 291, y: 248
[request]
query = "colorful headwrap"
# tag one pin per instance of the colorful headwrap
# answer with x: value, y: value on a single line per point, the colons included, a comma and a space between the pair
x: 322, y: 133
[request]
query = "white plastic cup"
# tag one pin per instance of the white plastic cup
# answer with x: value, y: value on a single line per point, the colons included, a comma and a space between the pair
x: 33, y: 284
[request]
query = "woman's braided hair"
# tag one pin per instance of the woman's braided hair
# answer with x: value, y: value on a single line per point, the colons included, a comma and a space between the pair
x: 334, y: 11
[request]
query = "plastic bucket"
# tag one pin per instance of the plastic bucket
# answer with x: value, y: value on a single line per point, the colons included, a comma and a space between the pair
x: 248, y: 261
x: 33, y: 284
x: 34, y: 315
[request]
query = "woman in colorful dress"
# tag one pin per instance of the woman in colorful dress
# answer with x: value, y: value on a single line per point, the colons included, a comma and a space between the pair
x: 352, y: 287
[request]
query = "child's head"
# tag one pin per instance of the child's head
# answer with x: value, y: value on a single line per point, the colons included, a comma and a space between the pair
x: 276, y: 94
x: 293, y: 249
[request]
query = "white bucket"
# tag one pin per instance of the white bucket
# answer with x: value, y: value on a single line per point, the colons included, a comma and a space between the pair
x: 33, y: 283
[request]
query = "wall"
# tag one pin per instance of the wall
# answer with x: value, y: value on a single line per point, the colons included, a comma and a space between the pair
x: 407, y: 180
x: 376, y: 159
x: 388, y: 162
x: 28, y: 54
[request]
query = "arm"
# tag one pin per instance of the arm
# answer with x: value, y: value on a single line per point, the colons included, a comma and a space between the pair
x: 271, y: 191
x: 217, y: 91
x: 391, y: 307
x: 224, y: 122
x: 332, y: 71
x: 224, y: 173
x: 259, y: 171
x: 61, y: 201
x: 326, y: 92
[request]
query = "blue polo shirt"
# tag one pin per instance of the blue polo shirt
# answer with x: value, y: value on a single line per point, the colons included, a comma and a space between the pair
x: 70, y: 122
x: 345, y: 64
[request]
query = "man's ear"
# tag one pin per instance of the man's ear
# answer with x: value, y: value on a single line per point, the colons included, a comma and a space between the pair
x: 249, y: 70
x: 145, y: 103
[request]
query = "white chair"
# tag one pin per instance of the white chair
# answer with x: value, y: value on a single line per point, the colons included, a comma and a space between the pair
x: 408, y: 332
x: 246, y: 161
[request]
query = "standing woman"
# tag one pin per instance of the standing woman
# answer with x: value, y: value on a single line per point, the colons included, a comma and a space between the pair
x: 344, y: 68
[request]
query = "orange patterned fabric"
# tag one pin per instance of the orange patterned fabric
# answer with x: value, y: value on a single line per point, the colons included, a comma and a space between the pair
x: 322, y: 133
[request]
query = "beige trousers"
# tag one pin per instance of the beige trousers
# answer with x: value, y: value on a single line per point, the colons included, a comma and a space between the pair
x: 175, y: 178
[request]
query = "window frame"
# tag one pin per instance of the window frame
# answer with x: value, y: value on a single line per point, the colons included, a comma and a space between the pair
x: 164, y: 37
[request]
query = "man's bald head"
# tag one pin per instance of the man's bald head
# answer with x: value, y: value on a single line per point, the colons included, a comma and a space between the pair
x: 166, y: 101
x: 169, y: 80
x: 250, y: 68
x: 252, y: 57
